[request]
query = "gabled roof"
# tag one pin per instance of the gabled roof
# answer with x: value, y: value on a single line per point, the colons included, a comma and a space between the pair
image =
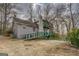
x: 25, y: 22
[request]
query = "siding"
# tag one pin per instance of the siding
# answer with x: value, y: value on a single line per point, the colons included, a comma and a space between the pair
x: 21, y: 30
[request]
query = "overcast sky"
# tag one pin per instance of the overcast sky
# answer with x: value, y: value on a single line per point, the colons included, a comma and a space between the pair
x: 22, y: 9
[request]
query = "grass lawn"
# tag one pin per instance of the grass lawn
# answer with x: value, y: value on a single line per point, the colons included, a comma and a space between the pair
x: 16, y: 47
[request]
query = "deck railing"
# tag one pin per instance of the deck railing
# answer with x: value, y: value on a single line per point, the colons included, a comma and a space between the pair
x: 38, y: 35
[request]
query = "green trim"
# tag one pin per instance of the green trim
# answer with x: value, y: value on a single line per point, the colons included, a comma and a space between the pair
x: 38, y: 35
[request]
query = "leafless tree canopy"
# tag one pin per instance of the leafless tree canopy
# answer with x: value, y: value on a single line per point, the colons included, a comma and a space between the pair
x: 62, y: 16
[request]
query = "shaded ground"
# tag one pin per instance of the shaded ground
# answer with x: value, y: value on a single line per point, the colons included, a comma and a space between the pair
x: 35, y: 47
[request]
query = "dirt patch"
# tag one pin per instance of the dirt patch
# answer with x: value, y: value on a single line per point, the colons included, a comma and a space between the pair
x: 16, y: 47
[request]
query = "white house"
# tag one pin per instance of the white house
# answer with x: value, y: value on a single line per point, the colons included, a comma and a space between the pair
x: 22, y: 27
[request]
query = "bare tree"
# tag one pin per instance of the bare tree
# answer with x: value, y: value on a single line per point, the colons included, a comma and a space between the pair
x: 6, y: 9
x: 59, y: 11
x: 70, y: 7
x: 30, y: 11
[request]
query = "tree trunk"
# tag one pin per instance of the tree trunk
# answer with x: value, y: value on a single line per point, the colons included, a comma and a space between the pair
x: 57, y: 27
x: 1, y: 23
x: 73, y: 24
x: 5, y: 17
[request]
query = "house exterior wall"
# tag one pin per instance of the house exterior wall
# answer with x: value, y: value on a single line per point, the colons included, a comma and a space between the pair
x: 21, y: 30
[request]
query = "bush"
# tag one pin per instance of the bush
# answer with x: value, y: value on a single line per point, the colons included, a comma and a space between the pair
x: 8, y: 32
x: 55, y: 36
x: 0, y: 31
x: 73, y: 37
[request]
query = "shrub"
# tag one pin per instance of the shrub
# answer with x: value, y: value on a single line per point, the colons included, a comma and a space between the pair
x: 73, y: 37
x: 55, y: 36
x: 0, y: 31
x: 8, y: 32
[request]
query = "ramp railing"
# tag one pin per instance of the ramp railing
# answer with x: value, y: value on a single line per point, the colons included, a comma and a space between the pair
x: 38, y: 35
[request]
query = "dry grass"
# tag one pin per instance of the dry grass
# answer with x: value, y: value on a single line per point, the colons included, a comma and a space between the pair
x: 35, y: 47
